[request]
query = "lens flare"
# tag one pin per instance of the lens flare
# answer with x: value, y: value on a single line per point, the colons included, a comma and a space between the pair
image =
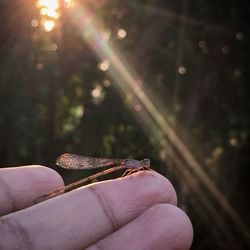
x: 153, y: 118
x: 49, y: 10
x: 50, y: 4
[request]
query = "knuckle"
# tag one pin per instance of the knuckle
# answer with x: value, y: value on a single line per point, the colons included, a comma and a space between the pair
x: 104, y: 202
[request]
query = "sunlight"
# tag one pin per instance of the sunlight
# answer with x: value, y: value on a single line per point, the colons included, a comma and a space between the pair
x: 155, y: 122
x: 69, y: 3
x: 49, y: 10
x: 49, y: 25
x: 49, y: 4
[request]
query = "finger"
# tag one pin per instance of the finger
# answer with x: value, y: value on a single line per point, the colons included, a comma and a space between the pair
x: 19, y: 186
x: 161, y: 227
x: 79, y: 218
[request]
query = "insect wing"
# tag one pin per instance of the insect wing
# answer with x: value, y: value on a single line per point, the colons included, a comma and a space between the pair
x: 73, y: 161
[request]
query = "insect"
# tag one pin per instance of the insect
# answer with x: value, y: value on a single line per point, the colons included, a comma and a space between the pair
x: 73, y: 161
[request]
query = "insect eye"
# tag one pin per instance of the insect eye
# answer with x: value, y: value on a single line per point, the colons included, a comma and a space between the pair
x: 146, y: 162
x: 126, y: 161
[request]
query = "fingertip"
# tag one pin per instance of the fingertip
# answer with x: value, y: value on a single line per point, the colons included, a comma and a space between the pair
x: 166, y: 187
x: 22, y: 185
x: 155, y: 184
x: 46, y: 177
x: 173, y: 220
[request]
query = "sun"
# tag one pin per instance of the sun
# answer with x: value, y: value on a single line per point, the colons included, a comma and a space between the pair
x: 51, y: 5
x: 50, y: 12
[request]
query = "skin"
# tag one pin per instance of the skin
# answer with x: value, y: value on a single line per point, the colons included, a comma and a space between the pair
x: 134, y: 212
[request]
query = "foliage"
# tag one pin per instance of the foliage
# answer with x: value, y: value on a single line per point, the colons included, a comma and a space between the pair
x: 193, y: 59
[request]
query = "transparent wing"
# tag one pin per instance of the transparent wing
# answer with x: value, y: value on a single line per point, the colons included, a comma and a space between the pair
x: 73, y: 161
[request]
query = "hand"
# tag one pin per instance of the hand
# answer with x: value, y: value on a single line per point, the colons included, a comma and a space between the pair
x: 135, y: 212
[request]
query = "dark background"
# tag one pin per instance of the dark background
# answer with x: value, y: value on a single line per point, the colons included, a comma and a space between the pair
x: 186, y: 108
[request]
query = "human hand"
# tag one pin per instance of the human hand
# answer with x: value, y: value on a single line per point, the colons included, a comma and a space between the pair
x: 134, y: 212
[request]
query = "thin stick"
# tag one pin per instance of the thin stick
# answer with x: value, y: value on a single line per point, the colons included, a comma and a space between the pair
x: 77, y: 183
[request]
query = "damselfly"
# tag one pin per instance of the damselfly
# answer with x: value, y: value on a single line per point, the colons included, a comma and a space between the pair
x: 73, y: 161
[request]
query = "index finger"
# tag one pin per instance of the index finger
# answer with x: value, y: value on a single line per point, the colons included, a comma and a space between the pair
x: 19, y: 186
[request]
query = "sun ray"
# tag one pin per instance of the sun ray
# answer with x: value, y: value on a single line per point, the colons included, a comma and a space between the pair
x: 151, y: 116
x: 141, y: 102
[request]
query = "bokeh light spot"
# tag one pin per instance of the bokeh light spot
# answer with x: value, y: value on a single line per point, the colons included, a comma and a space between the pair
x: 49, y: 25
x: 121, y: 34
x: 104, y: 65
x: 225, y: 50
x: 239, y: 35
x: 202, y: 44
x: 96, y: 92
x: 182, y: 70
x: 40, y: 66
x: 34, y: 23
x: 53, y: 47
x: 79, y: 111
x: 233, y: 142
x: 107, y: 83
